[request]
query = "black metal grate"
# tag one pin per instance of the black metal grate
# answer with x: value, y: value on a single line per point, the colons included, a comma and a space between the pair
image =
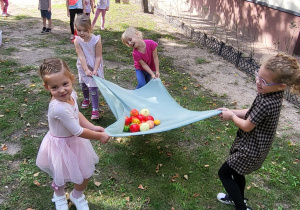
x: 246, y: 64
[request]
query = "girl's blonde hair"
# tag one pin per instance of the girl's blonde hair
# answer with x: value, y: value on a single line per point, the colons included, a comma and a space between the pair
x: 130, y: 33
x: 52, y: 66
x: 286, y: 70
x: 84, y: 21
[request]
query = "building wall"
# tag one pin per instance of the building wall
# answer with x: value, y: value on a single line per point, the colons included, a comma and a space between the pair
x: 273, y: 28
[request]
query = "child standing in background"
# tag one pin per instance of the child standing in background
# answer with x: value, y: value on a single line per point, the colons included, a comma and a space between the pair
x: 74, y: 7
x: 45, y: 7
x: 144, y: 54
x: 65, y: 153
x: 102, y: 6
x: 4, y: 6
x: 89, y: 7
x: 257, y: 126
x: 89, y: 62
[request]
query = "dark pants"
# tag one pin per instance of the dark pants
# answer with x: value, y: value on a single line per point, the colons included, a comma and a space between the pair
x: 234, y: 185
x: 73, y: 12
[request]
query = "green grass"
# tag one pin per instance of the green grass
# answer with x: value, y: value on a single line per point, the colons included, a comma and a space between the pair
x: 177, y: 168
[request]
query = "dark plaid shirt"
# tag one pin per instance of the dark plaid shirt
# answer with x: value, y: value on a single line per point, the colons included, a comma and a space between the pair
x: 250, y: 149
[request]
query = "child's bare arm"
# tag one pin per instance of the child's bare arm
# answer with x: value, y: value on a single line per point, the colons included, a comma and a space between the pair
x: 237, y: 116
x: 90, y: 131
x: 147, y: 68
x: 92, y: 3
x: 98, y: 55
x: 156, y: 62
x: 67, y: 4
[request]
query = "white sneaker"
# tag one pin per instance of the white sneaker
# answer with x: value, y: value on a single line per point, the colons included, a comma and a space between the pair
x: 80, y: 203
x: 61, y: 202
x: 224, y: 198
x: 71, y: 36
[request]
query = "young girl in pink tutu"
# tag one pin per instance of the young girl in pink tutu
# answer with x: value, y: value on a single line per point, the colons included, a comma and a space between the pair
x: 65, y: 153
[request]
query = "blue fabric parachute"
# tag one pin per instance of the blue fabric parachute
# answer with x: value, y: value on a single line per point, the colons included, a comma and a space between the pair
x: 153, y: 96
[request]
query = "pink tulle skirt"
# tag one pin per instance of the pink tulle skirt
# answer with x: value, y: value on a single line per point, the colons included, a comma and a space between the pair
x: 67, y: 159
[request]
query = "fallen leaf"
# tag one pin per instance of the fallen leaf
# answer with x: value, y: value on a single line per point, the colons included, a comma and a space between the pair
x: 186, y: 177
x: 292, y: 143
x: 3, y: 147
x: 206, y: 166
x: 169, y: 154
x: 184, y: 88
x: 127, y: 199
x: 158, y: 166
x: 97, y: 183
x: 36, y: 174
x: 36, y: 183
x: 32, y: 85
x: 141, y: 187
x: 196, y: 195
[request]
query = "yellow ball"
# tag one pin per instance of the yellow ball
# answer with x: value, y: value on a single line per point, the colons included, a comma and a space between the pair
x: 156, y: 122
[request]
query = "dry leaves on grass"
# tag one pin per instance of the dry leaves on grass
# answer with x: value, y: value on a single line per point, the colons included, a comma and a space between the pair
x: 3, y: 147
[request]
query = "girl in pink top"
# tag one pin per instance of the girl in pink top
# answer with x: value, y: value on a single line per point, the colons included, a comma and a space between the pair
x: 66, y: 152
x: 144, y: 54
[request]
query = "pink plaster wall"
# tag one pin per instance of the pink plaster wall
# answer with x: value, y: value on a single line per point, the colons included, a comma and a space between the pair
x: 258, y: 22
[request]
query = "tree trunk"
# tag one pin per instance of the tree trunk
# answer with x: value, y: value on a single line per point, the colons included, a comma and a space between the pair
x: 144, y: 4
x: 117, y: 1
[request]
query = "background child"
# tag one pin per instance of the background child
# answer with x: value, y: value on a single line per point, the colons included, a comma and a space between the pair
x: 144, y: 54
x: 74, y: 7
x: 45, y: 7
x: 4, y: 5
x: 102, y: 6
x: 257, y: 126
x: 89, y: 62
x: 89, y: 7
x: 65, y: 153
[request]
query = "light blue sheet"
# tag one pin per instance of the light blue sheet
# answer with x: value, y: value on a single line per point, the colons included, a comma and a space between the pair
x: 153, y: 96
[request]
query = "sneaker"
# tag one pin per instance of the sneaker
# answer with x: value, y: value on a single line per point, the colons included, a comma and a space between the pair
x: 43, y: 30
x: 61, y: 202
x: 71, y: 36
x: 48, y: 30
x: 224, y: 198
x: 80, y: 203
x: 102, y: 28
x: 95, y: 115
x: 85, y: 104
x: 5, y: 14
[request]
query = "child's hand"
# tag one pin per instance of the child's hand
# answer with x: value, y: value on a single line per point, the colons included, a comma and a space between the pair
x: 103, y: 138
x: 226, y: 114
x: 88, y: 73
x: 157, y: 74
x: 98, y: 129
x: 153, y: 76
x: 95, y: 73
